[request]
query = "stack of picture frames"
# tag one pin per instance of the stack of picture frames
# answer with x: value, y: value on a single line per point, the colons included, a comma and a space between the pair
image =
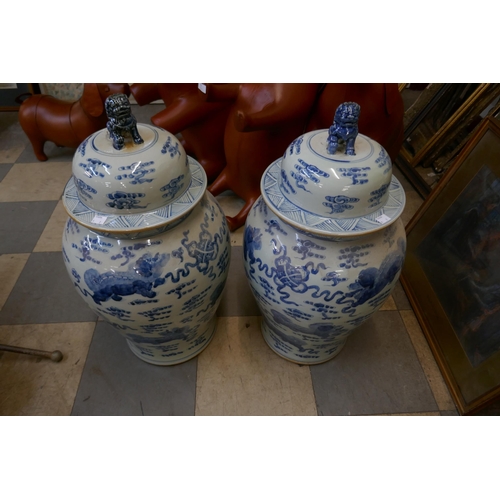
x: 438, y: 125
x: 452, y: 273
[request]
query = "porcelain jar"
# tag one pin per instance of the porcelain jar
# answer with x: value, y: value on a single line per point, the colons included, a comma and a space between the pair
x: 146, y: 246
x: 324, y: 244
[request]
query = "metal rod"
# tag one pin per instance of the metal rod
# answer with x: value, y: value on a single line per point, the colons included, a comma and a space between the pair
x: 55, y: 356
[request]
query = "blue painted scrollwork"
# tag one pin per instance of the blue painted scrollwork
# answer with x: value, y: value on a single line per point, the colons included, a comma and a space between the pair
x: 306, y: 172
x: 350, y: 256
x: 290, y: 280
x: 127, y: 252
x: 170, y: 148
x: 357, y: 174
x: 383, y: 160
x: 121, y: 200
x: 339, y: 204
x: 378, y: 194
x: 287, y: 277
x: 83, y: 146
x: 136, y: 173
x: 91, y: 168
x: 308, y: 248
x: 172, y: 188
x: 85, y: 191
x: 285, y: 184
x: 204, y: 252
x: 295, y: 146
x: 165, y: 335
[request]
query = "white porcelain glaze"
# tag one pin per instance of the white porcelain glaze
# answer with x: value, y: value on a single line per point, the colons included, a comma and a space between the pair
x: 145, y: 245
x: 330, y: 226
x: 160, y: 292
x: 127, y: 225
x: 139, y: 178
x: 312, y: 291
x: 324, y: 245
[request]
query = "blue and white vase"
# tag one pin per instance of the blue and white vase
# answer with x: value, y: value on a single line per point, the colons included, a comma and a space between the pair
x: 324, y: 245
x: 145, y: 244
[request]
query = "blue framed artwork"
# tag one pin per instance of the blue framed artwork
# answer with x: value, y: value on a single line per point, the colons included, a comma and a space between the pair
x: 451, y: 274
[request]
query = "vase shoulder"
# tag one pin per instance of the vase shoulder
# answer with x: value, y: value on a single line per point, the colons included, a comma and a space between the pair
x: 160, y: 292
x: 312, y: 291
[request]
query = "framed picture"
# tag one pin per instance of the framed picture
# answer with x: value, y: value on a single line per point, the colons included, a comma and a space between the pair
x: 451, y: 143
x: 438, y: 125
x: 451, y: 273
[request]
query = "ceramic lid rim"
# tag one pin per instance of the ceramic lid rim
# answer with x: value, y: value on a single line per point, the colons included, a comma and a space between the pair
x: 324, y: 226
x: 118, y: 223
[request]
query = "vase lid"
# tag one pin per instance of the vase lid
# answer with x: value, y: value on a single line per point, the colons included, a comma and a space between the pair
x: 335, y: 182
x: 131, y: 176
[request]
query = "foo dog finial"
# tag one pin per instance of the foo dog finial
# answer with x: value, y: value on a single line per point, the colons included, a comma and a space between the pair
x: 344, y: 128
x: 121, y: 121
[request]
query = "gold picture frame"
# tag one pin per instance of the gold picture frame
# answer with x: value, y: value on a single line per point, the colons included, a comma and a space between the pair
x: 451, y: 275
x: 438, y: 125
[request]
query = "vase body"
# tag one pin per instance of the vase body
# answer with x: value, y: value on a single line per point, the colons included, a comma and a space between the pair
x: 160, y: 291
x: 145, y: 245
x: 324, y: 244
x: 313, y: 291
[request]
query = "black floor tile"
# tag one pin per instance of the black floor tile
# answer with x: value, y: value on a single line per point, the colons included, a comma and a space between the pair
x: 44, y: 293
x: 22, y: 223
x: 4, y: 170
x: 237, y: 298
x: 449, y: 413
x: 116, y: 382
x: 377, y: 372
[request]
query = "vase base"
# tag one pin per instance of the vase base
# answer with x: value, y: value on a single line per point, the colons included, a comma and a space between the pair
x: 270, y: 337
x: 156, y: 356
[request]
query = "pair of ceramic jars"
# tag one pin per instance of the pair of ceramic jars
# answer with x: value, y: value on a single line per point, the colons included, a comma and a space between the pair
x: 148, y: 248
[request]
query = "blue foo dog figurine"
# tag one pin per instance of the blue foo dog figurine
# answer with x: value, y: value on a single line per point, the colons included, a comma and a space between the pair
x: 121, y: 121
x: 324, y: 244
x: 344, y: 128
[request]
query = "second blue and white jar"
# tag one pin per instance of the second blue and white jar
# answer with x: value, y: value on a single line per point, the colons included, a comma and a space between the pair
x: 324, y: 245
